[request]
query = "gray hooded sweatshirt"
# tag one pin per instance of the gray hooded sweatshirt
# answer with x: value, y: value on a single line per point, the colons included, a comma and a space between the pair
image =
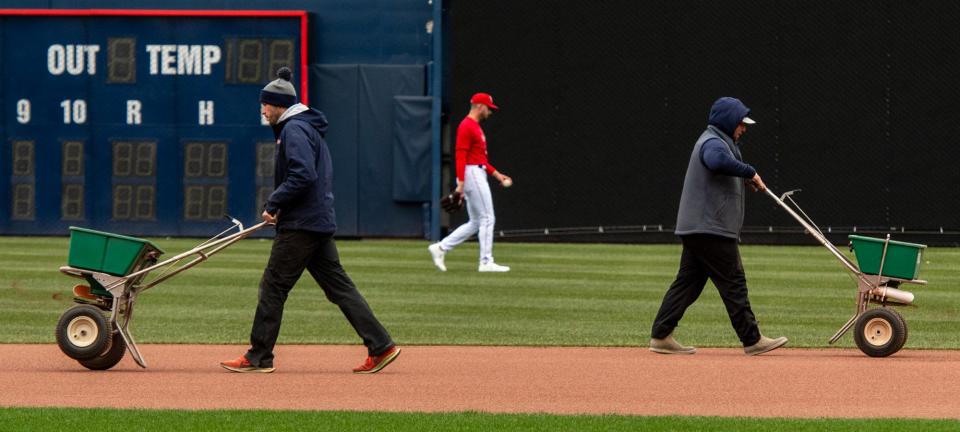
x: 713, y: 199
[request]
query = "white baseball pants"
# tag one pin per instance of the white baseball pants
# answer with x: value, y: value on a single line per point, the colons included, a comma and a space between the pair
x: 476, y: 191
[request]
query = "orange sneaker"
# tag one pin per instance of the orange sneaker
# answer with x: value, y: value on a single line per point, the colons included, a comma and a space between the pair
x: 373, y: 364
x: 241, y: 364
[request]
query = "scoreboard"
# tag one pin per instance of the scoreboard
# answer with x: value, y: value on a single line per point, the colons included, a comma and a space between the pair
x: 141, y: 122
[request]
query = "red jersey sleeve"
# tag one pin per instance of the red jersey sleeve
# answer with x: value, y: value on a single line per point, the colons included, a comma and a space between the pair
x: 464, y: 136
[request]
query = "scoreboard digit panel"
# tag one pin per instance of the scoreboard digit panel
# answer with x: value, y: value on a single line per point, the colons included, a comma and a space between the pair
x: 145, y: 122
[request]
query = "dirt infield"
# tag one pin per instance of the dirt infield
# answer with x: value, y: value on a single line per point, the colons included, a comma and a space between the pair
x: 722, y: 382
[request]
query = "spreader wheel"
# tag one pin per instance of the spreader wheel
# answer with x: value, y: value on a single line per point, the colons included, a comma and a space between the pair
x: 880, y: 332
x: 110, y: 358
x: 83, y: 332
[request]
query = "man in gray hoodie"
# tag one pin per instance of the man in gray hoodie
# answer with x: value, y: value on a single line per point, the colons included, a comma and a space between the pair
x: 709, y: 223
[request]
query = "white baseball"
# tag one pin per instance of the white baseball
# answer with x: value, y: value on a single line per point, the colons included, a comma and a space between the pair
x: 507, y: 183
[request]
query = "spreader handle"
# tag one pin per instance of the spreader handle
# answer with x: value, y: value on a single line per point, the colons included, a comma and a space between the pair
x: 815, y: 233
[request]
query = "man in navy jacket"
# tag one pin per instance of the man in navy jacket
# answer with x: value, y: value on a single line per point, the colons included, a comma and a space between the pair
x: 709, y: 223
x: 301, y: 206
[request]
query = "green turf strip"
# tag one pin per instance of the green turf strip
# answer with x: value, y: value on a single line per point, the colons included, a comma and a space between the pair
x: 79, y: 420
x: 556, y: 295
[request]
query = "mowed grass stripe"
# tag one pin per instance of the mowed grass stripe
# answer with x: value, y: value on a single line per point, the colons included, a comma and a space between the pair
x: 82, y: 420
x: 557, y: 294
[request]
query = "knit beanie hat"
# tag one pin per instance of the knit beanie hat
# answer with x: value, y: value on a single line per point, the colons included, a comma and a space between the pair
x: 280, y: 92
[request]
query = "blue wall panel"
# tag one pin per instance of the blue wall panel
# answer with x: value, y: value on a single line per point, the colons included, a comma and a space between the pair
x: 412, y: 134
x: 379, y: 213
x: 335, y: 93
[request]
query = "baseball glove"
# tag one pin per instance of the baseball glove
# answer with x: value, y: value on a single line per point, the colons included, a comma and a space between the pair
x: 452, y: 202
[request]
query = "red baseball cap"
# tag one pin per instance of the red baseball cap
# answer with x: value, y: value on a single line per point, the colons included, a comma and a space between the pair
x: 483, y: 98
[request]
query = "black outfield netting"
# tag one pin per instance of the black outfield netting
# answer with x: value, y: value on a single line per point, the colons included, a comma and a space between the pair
x: 601, y: 102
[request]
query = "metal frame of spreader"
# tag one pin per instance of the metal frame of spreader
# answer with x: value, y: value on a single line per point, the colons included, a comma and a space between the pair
x: 125, y: 289
x: 876, y: 289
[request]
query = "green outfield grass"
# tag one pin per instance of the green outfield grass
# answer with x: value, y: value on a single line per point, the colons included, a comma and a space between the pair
x: 95, y: 420
x: 557, y: 294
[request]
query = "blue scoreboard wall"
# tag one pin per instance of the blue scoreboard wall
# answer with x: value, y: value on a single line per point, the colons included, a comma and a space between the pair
x: 148, y: 125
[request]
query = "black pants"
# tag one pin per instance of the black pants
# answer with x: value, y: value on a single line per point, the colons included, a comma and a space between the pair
x: 292, y: 252
x: 718, y: 258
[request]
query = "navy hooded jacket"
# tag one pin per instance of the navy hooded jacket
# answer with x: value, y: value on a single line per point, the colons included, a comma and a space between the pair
x: 303, y: 173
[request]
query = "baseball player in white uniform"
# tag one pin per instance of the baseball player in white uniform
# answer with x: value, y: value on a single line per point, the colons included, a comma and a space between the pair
x: 472, y: 170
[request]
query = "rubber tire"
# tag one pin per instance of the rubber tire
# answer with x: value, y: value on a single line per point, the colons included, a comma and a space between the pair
x: 101, y: 342
x: 110, y: 358
x: 898, y: 336
x: 903, y: 323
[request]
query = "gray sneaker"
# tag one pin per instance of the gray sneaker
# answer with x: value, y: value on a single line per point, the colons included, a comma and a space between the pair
x: 765, y: 344
x: 669, y: 345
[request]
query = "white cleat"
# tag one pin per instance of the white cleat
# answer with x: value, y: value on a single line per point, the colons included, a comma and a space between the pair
x: 493, y: 267
x: 437, y: 255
